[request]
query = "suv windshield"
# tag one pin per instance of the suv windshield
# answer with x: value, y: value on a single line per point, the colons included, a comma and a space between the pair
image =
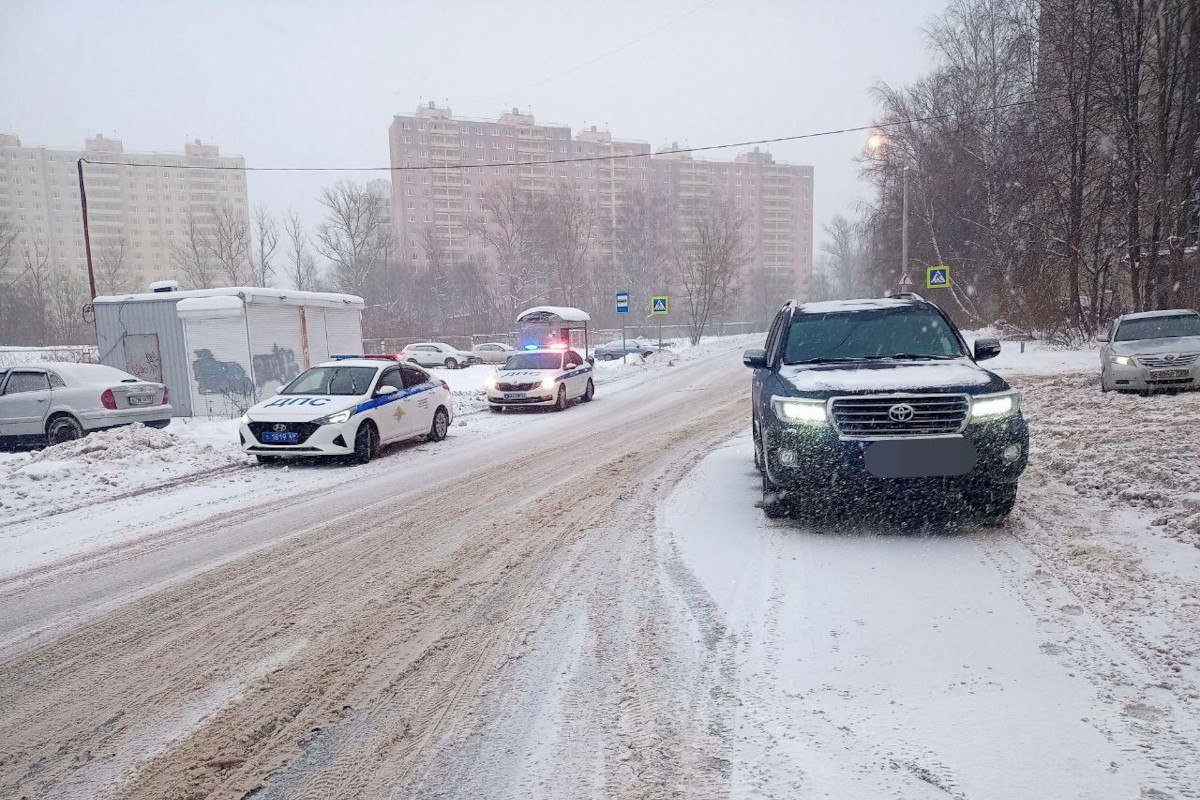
x: 1158, y: 327
x: 877, y: 333
x: 332, y: 380
x: 534, y: 361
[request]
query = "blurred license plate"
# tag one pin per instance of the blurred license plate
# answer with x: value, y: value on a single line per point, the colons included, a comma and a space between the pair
x: 920, y: 458
x: 280, y: 438
x: 141, y: 399
x: 513, y: 395
x: 1169, y: 374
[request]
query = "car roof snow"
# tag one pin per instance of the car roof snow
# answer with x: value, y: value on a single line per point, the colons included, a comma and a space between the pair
x: 865, y: 304
x: 1167, y: 312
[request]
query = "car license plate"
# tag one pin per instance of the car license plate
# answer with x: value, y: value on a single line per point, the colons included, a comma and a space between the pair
x: 513, y: 395
x: 140, y: 399
x: 919, y: 458
x: 1169, y: 374
x: 272, y: 437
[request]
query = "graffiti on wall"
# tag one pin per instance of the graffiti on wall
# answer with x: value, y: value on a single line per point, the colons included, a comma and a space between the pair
x: 279, y: 366
x: 220, y: 377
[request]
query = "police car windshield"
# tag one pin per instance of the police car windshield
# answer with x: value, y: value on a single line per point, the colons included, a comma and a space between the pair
x: 332, y: 380
x: 902, y: 333
x: 534, y: 361
x: 1158, y: 327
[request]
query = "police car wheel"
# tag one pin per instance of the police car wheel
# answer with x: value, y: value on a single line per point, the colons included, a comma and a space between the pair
x: 588, y: 393
x: 366, y: 442
x: 561, y: 403
x: 440, y: 426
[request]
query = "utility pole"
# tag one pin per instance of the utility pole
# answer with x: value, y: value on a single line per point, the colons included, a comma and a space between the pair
x: 904, y: 227
x: 87, y: 239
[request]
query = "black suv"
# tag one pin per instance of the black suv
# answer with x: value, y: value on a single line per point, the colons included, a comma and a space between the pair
x: 883, y: 395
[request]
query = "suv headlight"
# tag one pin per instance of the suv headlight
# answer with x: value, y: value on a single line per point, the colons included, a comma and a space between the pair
x: 799, y: 410
x: 1124, y: 361
x: 336, y: 418
x: 991, y: 406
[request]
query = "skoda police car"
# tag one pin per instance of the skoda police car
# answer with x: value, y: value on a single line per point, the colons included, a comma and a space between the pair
x: 349, y: 406
x: 546, y: 377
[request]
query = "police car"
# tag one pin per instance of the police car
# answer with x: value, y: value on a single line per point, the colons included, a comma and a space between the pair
x: 548, y: 377
x: 349, y: 406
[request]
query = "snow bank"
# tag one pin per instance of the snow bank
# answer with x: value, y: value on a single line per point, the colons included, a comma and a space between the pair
x: 110, y: 463
x: 72, y: 353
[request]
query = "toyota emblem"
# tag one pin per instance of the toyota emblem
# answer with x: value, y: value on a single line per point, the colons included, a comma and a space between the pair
x: 279, y: 427
x: 1170, y: 357
x: 901, y: 412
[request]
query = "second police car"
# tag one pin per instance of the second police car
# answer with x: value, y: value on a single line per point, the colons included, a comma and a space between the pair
x: 349, y: 406
x: 546, y: 377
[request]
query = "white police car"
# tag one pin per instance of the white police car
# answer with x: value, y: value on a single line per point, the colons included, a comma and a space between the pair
x: 543, y: 377
x: 351, y: 405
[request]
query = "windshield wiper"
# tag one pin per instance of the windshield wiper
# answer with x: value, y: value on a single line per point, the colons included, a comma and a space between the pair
x: 908, y: 357
x: 824, y: 360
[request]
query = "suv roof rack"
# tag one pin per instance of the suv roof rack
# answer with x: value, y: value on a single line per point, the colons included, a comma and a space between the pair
x: 905, y: 296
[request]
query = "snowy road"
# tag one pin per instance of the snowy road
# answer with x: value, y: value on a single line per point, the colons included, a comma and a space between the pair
x: 588, y: 605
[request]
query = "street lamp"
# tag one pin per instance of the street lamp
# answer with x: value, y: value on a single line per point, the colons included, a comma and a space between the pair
x: 874, y: 143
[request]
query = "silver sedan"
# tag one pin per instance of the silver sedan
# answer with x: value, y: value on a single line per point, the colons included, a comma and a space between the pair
x: 1151, y: 351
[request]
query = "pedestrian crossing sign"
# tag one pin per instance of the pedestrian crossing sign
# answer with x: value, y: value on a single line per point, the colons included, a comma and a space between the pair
x: 660, y: 304
x: 937, y: 277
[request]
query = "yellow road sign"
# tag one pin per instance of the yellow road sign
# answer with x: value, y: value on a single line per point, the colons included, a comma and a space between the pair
x: 660, y: 304
x: 937, y: 277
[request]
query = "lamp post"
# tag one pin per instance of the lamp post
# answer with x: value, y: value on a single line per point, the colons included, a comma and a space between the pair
x: 874, y: 142
x: 87, y: 239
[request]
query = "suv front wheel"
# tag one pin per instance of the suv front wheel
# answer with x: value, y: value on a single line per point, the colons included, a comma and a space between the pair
x: 993, y: 503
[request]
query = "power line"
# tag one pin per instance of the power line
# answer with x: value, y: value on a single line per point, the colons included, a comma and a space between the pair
x: 585, y: 159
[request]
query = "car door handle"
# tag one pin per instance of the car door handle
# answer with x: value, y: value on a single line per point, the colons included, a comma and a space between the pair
x: 41, y: 399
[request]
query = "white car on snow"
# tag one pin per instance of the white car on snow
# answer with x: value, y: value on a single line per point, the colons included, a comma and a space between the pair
x: 51, y: 403
x: 438, y: 354
x: 551, y: 377
x: 350, y: 406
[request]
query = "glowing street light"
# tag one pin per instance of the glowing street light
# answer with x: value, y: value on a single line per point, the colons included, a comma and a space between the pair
x: 875, y: 141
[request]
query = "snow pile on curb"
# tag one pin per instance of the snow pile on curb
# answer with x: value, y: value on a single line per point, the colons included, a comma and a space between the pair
x: 104, y: 464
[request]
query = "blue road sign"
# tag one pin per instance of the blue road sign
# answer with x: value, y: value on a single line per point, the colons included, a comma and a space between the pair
x: 660, y: 304
x: 937, y: 277
x: 622, y: 302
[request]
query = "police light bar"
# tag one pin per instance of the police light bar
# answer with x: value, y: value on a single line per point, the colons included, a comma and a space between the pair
x: 531, y: 347
x: 558, y: 346
x: 381, y: 356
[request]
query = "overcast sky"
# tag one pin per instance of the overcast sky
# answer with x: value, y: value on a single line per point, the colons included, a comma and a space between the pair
x: 316, y: 84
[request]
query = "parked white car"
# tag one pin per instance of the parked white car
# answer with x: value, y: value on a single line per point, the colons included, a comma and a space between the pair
x: 1151, y: 350
x: 492, y: 352
x: 438, y: 354
x: 546, y: 378
x: 51, y: 402
x: 350, y: 406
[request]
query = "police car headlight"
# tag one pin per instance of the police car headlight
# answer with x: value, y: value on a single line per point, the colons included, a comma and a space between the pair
x: 990, y: 406
x: 548, y: 383
x: 245, y: 419
x: 793, y: 409
x: 492, y: 382
x: 335, y: 419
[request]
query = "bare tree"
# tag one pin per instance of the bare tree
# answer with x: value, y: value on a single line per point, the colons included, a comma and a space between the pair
x: 35, y: 283
x: 570, y: 227
x: 708, y: 259
x: 65, y: 296
x: 511, y: 228
x: 230, y: 246
x: 109, y: 266
x: 266, y: 242
x: 193, y: 254
x: 355, y: 236
x: 302, y: 267
x: 644, y: 242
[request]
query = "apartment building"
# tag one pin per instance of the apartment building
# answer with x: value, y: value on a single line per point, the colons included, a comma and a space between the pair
x: 775, y: 198
x: 135, y: 213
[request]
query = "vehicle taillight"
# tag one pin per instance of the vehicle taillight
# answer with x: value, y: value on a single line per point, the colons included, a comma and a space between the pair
x: 166, y: 396
x: 107, y: 399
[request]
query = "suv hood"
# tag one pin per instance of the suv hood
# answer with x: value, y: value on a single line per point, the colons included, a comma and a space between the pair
x: 1174, y: 344
x: 881, y: 377
x: 300, y: 407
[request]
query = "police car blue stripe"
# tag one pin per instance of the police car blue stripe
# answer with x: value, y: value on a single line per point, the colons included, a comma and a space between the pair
x: 376, y: 402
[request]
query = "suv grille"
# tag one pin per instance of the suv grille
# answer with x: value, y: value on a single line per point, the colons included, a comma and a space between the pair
x: 518, y: 387
x: 305, y: 429
x: 868, y: 417
x: 1182, y: 361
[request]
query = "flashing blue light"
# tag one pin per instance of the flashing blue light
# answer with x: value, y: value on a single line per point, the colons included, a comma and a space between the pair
x: 531, y: 347
x: 342, y: 356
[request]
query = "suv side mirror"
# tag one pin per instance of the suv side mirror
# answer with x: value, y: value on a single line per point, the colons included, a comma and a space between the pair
x: 385, y: 390
x: 1102, y: 336
x: 986, y: 348
x: 755, y: 359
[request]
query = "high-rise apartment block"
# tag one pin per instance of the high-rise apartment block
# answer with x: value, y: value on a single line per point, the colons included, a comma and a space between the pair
x: 775, y: 199
x: 135, y: 213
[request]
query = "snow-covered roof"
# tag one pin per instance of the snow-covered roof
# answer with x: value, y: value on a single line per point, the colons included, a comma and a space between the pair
x: 866, y: 304
x: 565, y: 313
x: 1167, y: 312
x: 250, y: 294
x: 223, y: 306
x: 86, y: 373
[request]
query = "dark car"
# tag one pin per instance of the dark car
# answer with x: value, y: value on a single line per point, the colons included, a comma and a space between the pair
x: 862, y: 397
x: 611, y: 351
